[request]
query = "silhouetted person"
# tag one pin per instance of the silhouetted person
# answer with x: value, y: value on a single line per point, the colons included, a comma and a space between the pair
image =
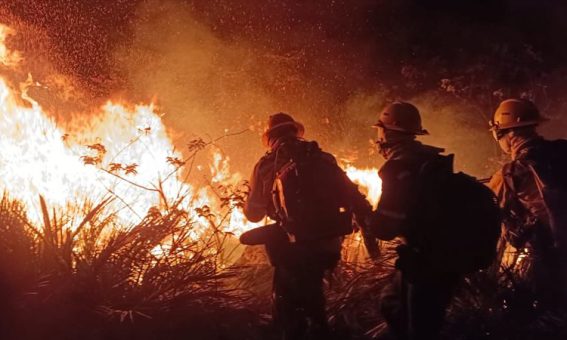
x: 532, y: 190
x: 415, y: 301
x: 306, y: 243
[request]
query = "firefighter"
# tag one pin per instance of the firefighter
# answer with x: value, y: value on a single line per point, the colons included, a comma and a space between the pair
x: 531, y: 189
x: 414, y: 303
x: 298, y: 299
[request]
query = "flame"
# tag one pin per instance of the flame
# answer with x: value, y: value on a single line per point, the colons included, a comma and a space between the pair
x: 368, y: 180
x: 39, y: 157
x: 121, y: 151
x: 7, y: 57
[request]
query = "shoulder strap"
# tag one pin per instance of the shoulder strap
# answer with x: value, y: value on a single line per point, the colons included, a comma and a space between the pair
x: 512, y: 203
x: 510, y: 194
x: 278, y: 150
x: 508, y: 178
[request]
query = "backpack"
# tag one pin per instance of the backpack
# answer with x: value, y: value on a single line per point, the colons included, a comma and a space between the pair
x: 308, y: 197
x: 462, y: 221
x: 548, y: 165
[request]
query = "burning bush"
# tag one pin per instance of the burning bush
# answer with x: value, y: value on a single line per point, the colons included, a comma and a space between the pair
x: 103, y: 281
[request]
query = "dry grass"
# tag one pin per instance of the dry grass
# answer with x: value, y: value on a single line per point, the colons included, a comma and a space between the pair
x: 102, y: 281
x: 494, y: 304
x: 82, y: 274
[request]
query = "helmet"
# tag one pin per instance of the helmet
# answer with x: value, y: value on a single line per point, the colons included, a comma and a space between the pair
x: 402, y: 117
x: 279, y: 123
x: 514, y: 113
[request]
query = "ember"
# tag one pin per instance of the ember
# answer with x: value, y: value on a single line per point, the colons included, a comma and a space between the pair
x: 123, y: 151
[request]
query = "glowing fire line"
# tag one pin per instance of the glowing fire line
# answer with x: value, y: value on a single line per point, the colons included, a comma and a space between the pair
x: 39, y: 157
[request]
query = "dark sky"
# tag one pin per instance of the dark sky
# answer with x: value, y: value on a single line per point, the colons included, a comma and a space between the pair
x: 341, y: 35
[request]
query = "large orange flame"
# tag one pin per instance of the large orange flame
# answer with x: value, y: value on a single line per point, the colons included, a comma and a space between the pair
x: 120, y: 151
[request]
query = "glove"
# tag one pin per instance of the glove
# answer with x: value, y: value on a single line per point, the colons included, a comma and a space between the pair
x: 371, y: 243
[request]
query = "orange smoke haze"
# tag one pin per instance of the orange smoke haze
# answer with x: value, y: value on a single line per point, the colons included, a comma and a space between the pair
x: 215, y: 67
x: 210, y: 84
x: 120, y: 150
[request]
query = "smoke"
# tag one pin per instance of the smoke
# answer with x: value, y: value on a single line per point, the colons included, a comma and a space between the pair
x: 209, y: 84
x: 204, y: 85
x: 215, y: 67
x: 462, y: 129
x: 218, y: 69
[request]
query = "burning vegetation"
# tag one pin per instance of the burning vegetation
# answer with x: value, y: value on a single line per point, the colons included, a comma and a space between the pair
x: 113, y: 225
x: 100, y: 219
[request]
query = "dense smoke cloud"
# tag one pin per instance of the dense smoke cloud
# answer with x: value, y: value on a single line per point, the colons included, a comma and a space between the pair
x: 215, y: 66
x: 211, y: 84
